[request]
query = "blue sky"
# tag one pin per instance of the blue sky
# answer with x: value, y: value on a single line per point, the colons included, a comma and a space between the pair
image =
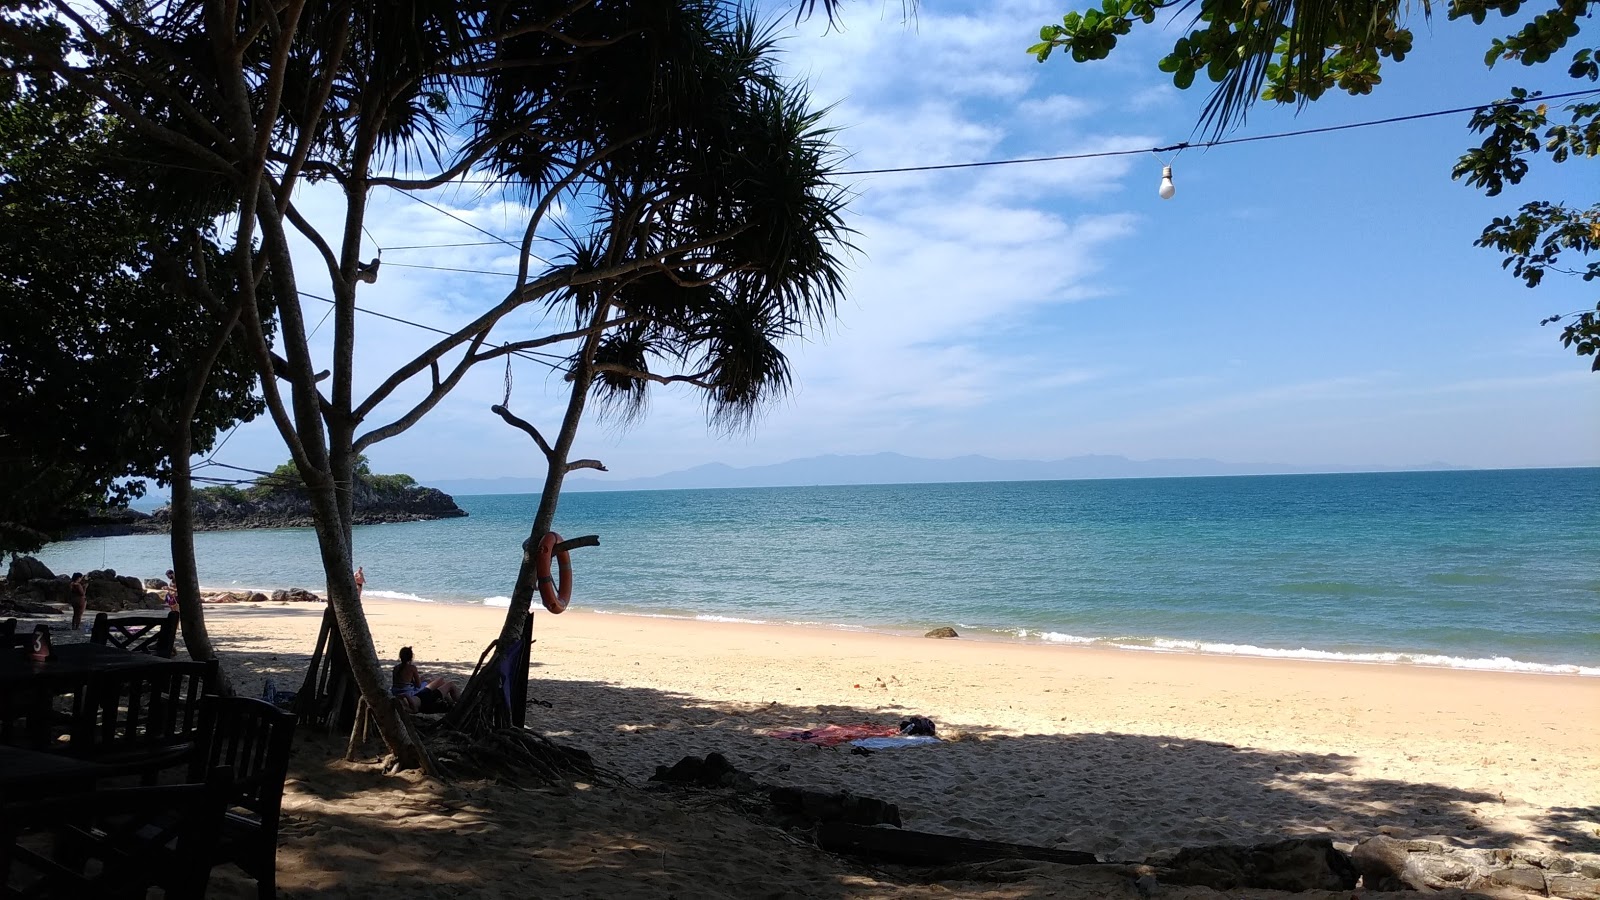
x: 1312, y: 300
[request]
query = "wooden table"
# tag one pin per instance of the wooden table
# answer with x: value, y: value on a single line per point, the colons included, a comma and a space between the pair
x: 29, y: 689
x: 72, y: 663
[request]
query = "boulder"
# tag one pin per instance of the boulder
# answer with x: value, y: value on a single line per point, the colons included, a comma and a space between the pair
x: 51, y: 590
x: 258, y: 597
x: 152, y: 600
x: 1386, y: 863
x: 25, y: 569
x: 944, y: 631
x: 1297, y: 864
x: 108, y: 593
x: 155, y: 584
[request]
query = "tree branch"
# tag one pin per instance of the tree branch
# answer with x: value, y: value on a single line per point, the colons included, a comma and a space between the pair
x: 525, y: 426
x: 696, y: 379
x: 586, y: 464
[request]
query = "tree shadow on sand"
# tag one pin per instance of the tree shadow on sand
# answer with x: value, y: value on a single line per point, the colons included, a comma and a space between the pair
x: 351, y: 831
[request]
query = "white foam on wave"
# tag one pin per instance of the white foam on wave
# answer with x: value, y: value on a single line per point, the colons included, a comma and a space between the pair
x: 736, y: 619
x: 1054, y: 637
x: 502, y: 602
x: 1492, y: 664
x: 1432, y: 660
x: 395, y: 595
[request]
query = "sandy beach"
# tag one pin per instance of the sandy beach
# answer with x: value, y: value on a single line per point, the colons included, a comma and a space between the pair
x: 1118, y: 753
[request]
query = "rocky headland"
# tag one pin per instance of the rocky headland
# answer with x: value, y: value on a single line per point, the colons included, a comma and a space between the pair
x: 277, y: 501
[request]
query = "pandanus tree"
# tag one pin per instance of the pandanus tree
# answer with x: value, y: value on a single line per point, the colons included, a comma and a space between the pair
x: 700, y: 225
x: 724, y: 190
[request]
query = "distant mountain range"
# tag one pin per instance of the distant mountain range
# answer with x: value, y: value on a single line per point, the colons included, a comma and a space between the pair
x: 895, y: 468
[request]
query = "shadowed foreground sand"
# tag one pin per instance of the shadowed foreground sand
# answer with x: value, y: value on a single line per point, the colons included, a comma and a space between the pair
x: 1115, y: 752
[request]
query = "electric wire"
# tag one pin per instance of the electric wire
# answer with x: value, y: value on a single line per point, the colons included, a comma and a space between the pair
x: 532, y: 355
x: 1220, y: 142
x: 452, y: 269
x: 440, y: 209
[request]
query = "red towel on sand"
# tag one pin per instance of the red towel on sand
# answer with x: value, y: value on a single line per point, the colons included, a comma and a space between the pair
x: 829, y: 735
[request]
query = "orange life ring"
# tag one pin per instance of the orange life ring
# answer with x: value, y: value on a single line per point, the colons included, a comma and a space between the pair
x: 554, y: 599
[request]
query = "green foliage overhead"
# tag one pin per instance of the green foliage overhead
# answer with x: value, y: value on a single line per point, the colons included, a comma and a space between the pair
x: 94, y: 344
x: 1295, y: 51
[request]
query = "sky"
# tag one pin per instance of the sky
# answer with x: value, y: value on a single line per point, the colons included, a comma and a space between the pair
x: 1310, y: 301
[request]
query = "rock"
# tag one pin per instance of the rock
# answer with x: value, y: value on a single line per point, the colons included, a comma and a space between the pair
x: 1573, y: 887
x: 25, y: 569
x: 292, y: 509
x: 1297, y: 864
x: 258, y: 597
x: 1389, y: 864
x: 296, y: 595
x: 694, y: 770
x: 280, y: 596
x: 108, y: 593
x: 155, y: 584
x: 152, y: 600
x: 840, y: 806
x: 944, y: 631
x: 52, y: 590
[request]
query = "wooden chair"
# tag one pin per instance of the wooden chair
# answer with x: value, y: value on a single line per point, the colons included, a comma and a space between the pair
x: 140, y: 634
x: 141, y: 720
x: 115, y: 843
x: 253, y: 738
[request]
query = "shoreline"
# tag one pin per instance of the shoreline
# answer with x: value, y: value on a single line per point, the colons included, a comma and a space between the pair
x: 1163, y: 646
x: 1116, y: 753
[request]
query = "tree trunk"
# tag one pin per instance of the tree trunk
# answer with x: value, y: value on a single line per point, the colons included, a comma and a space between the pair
x: 471, y: 713
x: 315, y: 441
x: 184, y: 568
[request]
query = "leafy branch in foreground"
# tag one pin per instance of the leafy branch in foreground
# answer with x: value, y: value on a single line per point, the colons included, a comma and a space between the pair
x: 1295, y: 51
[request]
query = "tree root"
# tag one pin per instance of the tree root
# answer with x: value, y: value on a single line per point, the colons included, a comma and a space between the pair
x: 515, y: 755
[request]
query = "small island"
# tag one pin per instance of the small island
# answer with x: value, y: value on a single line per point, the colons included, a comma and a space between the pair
x: 278, y: 500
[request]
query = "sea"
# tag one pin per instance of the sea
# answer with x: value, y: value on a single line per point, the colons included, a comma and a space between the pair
x: 1463, y: 569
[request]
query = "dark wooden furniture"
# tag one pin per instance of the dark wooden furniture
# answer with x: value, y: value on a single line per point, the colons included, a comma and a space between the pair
x: 29, y: 690
x: 141, y: 634
x: 26, y: 774
x: 140, y: 719
x: 253, y: 738
x: 13, y: 640
x: 114, y: 843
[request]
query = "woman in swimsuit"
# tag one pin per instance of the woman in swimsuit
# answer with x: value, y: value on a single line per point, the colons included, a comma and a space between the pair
x: 434, y: 696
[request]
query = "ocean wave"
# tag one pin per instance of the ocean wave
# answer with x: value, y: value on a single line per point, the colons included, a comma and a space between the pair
x: 502, y: 602
x: 1054, y: 637
x: 1218, y: 648
x: 395, y: 595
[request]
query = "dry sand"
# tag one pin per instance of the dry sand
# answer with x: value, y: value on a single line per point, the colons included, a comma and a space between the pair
x: 1115, y: 752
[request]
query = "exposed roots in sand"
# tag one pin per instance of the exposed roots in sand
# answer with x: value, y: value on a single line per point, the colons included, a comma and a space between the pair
x: 515, y: 755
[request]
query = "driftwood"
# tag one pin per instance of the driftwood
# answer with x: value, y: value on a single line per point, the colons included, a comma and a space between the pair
x: 919, y: 848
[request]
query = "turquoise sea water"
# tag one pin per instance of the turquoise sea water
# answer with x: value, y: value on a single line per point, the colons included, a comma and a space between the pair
x: 1482, y: 569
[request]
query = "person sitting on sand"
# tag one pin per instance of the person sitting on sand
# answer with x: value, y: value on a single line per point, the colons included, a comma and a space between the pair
x: 78, y: 595
x: 435, y: 696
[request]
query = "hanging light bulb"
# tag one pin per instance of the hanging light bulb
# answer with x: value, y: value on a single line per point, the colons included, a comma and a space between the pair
x: 1167, y: 190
